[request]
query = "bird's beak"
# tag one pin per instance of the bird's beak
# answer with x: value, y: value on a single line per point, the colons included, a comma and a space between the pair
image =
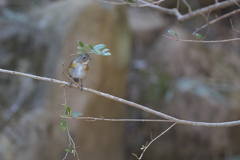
x: 90, y: 58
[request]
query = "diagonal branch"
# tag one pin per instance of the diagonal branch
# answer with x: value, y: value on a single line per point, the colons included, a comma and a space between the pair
x: 146, y: 147
x: 213, y: 7
x: 216, y: 20
x: 233, y: 27
x: 192, y: 14
x: 135, y: 105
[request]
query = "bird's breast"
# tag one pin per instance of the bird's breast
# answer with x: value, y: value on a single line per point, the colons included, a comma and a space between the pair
x: 79, y: 71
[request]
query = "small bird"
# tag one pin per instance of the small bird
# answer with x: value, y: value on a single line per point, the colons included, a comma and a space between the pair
x: 78, y: 68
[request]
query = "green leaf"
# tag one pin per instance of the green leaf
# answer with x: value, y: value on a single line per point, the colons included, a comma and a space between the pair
x: 78, y: 47
x: 81, y: 44
x: 90, y: 46
x: 173, y: 33
x: 101, y: 53
x: 199, y: 36
x: 107, y: 54
x: 143, y: 147
x: 105, y: 50
x: 68, y: 110
x: 69, y: 150
x: 76, y: 114
x: 63, y: 125
x: 135, y: 155
x: 99, y: 46
x: 82, y: 49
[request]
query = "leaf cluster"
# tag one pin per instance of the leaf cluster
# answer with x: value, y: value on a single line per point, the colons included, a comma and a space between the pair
x: 68, y: 113
x: 99, y: 49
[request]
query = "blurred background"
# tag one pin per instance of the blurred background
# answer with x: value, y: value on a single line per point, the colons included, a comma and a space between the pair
x: 191, y: 81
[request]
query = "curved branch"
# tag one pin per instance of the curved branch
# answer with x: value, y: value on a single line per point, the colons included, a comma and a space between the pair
x: 138, y: 106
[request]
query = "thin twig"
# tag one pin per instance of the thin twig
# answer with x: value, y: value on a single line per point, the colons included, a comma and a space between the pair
x: 175, y: 12
x: 237, y: 3
x: 135, y: 105
x: 233, y: 27
x: 213, y: 7
x: 64, y: 95
x: 114, y: 3
x: 178, y: 3
x: 72, y: 144
x: 206, y: 19
x: 65, y: 157
x: 114, y: 120
x: 201, y: 41
x: 146, y: 147
x: 216, y: 20
x: 192, y: 14
x: 188, y: 6
x: 136, y: 4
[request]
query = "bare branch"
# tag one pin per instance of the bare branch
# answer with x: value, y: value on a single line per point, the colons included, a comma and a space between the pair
x: 233, y: 27
x: 216, y: 20
x: 114, y: 120
x: 173, y: 11
x: 146, y: 147
x: 188, y: 6
x: 135, y: 105
x: 178, y: 3
x: 206, y: 19
x: 136, y: 4
x: 187, y: 16
x: 71, y: 145
x: 213, y: 7
x: 114, y: 3
x: 200, y: 41
x: 237, y: 3
x: 64, y: 95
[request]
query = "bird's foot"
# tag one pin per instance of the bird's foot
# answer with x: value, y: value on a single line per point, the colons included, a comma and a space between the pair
x: 70, y: 83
